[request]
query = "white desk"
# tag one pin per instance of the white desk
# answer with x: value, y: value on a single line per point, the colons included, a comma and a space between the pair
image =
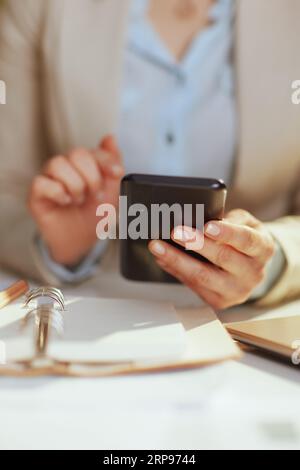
x: 253, y: 403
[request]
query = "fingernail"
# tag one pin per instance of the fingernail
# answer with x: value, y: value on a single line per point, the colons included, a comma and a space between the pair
x: 117, y: 170
x: 158, y: 249
x: 184, y: 234
x: 213, y: 230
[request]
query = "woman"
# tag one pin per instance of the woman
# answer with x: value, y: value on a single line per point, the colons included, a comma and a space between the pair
x: 195, y: 99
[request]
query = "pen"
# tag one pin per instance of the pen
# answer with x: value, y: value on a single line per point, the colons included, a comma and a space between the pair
x: 13, y: 292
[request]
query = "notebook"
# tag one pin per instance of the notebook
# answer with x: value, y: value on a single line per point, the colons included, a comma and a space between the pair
x: 96, y: 337
x: 279, y: 336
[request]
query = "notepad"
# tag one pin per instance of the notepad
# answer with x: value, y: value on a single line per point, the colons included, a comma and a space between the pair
x: 105, y: 330
x: 114, y: 336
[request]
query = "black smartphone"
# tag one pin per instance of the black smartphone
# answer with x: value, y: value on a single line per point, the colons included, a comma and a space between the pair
x: 149, y: 201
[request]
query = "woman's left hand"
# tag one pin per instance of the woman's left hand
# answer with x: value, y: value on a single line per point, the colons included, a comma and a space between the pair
x: 239, y: 249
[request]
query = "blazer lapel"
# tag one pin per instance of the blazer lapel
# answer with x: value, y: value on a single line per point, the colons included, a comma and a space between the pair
x: 90, y: 54
x: 267, y: 62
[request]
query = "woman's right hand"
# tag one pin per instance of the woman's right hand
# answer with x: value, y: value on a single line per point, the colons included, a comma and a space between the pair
x: 64, y: 198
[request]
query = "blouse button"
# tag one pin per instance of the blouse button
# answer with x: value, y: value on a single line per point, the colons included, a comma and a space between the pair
x: 170, y: 138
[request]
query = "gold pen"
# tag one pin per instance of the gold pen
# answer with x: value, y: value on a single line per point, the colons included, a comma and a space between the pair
x: 13, y: 292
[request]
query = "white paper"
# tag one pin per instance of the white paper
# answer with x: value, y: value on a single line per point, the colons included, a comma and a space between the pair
x: 99, y: 330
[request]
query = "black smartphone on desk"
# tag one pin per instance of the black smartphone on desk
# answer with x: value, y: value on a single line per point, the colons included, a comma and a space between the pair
x: 143, y: 196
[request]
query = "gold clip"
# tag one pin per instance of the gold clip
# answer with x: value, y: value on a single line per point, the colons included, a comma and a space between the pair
x: 46, y: 316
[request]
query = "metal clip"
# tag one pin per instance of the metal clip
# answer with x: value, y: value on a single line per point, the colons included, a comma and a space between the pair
x: 55, y: 294
x: 46, y: 316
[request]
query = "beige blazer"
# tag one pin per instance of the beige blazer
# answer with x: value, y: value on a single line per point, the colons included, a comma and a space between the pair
x: 62, y: 61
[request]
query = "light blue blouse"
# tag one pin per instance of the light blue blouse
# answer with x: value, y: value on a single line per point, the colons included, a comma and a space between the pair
x: 179, y: 118
x: 175, y: 118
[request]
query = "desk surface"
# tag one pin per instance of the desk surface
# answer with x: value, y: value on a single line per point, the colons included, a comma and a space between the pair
x: 253, y: 403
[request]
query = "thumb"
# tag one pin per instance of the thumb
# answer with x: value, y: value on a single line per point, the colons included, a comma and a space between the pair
x: 109, y: 144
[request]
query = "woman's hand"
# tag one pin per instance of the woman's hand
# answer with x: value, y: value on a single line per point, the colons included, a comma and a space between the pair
x: 239, y: 249
x: 64, y: 198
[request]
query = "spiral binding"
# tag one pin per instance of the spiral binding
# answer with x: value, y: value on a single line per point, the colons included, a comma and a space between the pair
x: 46, y: 316
x: 55, y: 294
